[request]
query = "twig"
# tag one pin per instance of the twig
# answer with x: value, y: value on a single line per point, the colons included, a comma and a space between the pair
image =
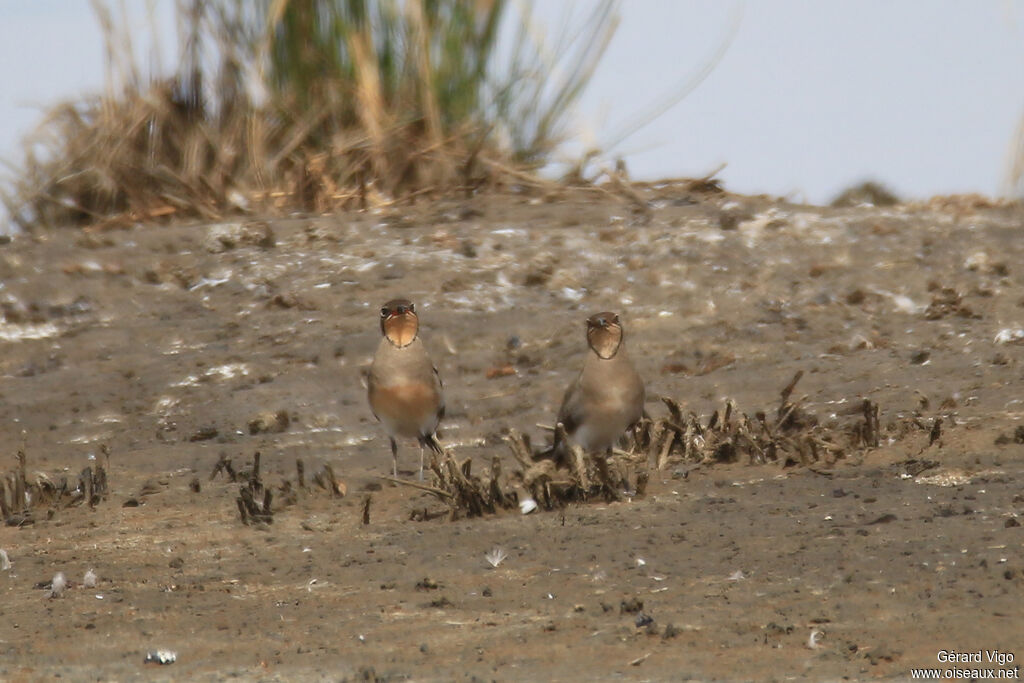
x: 791, y: 386
x: 640, y: 660
x: 366, y: 508
x: 790, y: 407
x: 422, y: 487
x: 673, y: 409
x: 577, y: 461
x: 666, y: 448
x: 520, y: 448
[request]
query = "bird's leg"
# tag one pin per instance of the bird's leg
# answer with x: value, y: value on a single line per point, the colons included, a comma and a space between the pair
x: 421, y: 461
x: 394, y: 457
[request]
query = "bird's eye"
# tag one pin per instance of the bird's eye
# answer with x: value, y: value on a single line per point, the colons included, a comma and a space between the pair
x: 412, y: 308
x: 384, y: 312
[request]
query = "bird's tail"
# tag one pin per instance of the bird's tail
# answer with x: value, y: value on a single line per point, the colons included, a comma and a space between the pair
x: 431, y: 442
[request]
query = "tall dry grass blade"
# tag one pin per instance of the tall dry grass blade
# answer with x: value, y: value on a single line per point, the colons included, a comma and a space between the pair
x: 369, y: 95
x: 428, y: 98
x: 604, y: 22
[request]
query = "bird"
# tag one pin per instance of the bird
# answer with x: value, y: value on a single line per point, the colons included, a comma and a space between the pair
x: 403, y: 387
x: 608, y: 395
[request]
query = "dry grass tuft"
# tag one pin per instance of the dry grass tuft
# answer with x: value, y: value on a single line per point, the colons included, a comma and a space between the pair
x: 256, y: 499
x: 21, y: 498
x: 280, y: 106
x: 793, y: 437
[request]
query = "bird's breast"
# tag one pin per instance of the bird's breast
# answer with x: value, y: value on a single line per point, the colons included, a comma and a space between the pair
x: 409, y: 409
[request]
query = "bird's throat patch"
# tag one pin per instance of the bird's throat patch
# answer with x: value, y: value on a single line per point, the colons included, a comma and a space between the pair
x: 604, y: 340
x: 401, y: 329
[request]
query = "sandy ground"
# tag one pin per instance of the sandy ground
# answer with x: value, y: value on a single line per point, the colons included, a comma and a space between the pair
x: 170, y: 346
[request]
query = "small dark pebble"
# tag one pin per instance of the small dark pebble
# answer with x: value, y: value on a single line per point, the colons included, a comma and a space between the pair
x: 671, y: 631
x: 920, y: 357
x: 176, y: 563
x: 487, y: 592
x: 204, y: 433
x: 643, y: 620
x: 855, y: 297
x: 1010, y: 523
x: 771, y: 628
x: 884, y: 519
x: 631, y: 606
x: 427, y: 584
x: 730, y: 220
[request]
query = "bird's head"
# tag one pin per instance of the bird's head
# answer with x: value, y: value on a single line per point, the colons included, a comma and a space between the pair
x: 604, y: 334
x: 398, y: 322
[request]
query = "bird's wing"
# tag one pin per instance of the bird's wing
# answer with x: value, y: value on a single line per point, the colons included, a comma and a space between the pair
x: 571, y: 412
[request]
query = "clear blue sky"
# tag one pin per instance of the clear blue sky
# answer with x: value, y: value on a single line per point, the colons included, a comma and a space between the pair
x: 810, y: 96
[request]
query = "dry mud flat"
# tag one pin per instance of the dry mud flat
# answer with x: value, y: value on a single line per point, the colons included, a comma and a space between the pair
x: 153, y: 352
